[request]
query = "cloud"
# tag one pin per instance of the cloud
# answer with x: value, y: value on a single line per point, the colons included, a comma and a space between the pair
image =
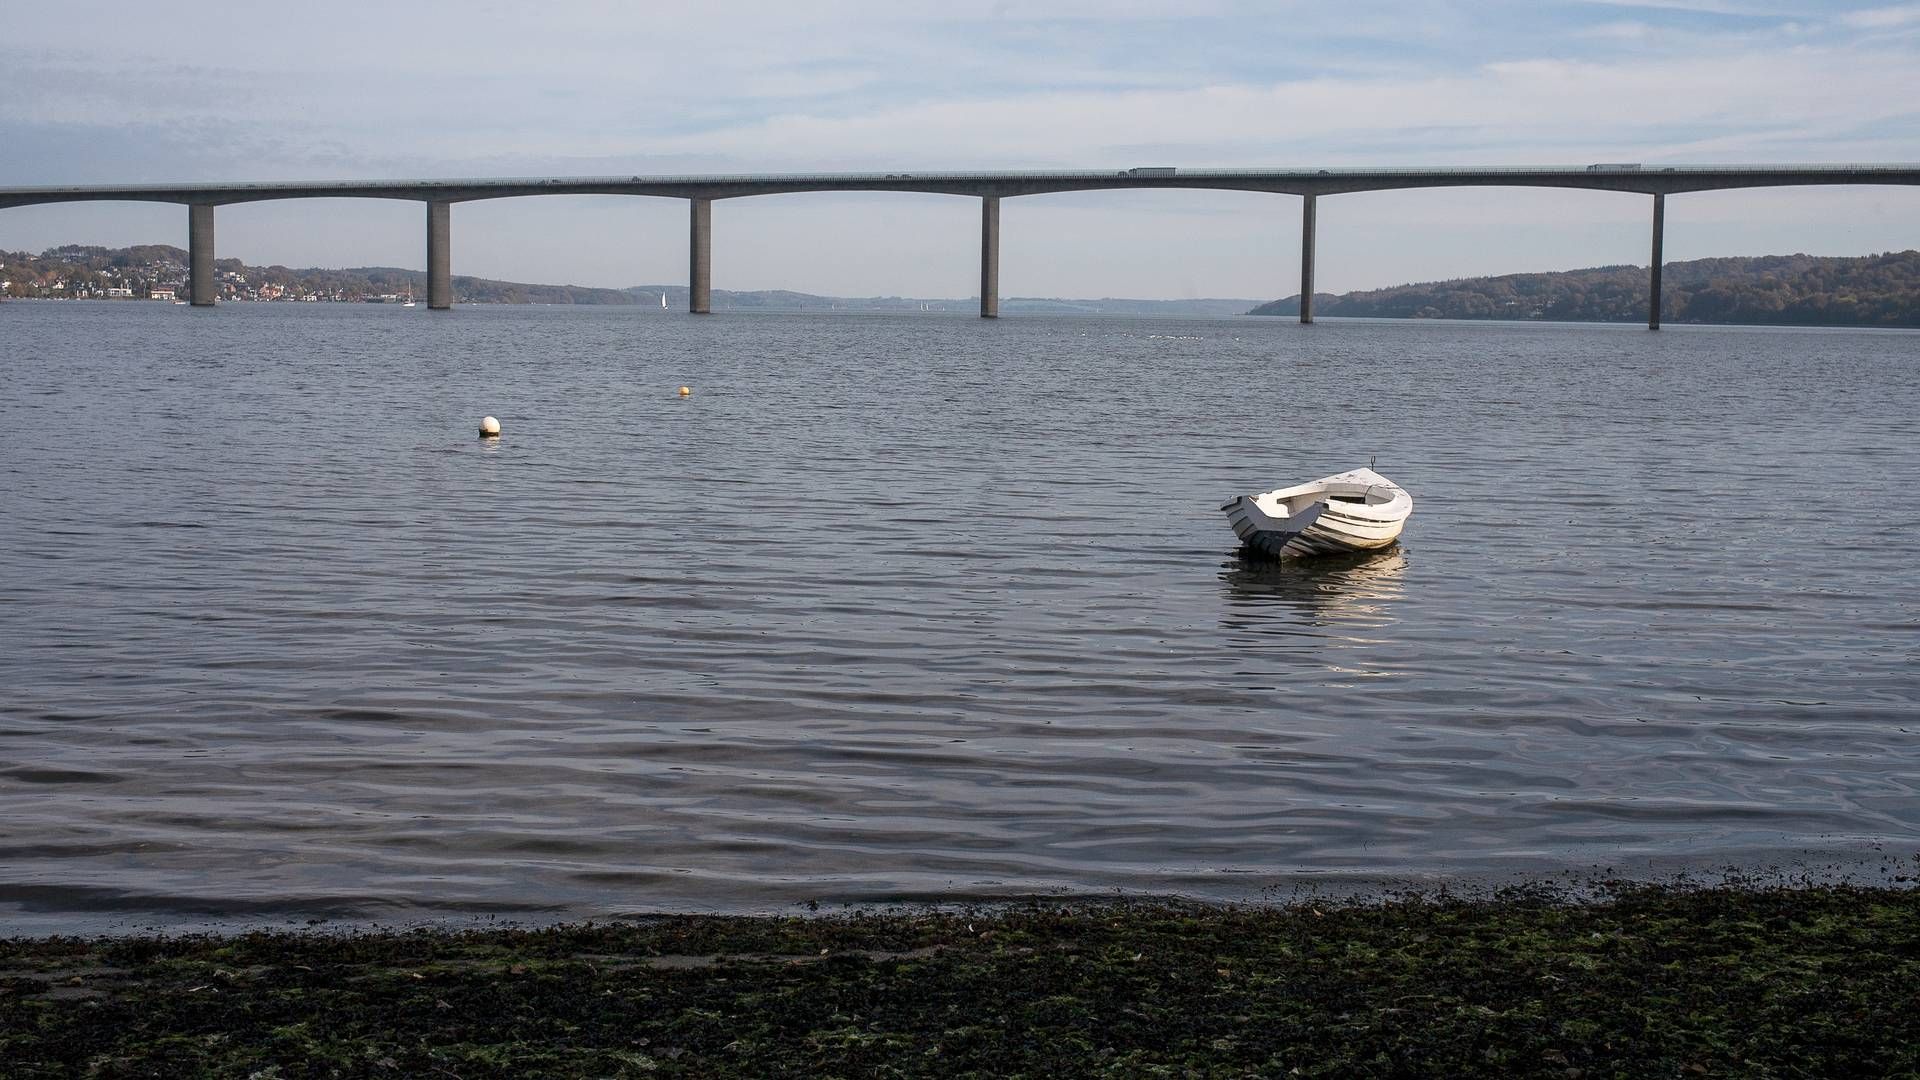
x: 1885, y: 18
x: 765, y: 85
x: 1625, y: 31
x: 1516, y: 110
x: 1758, y: 102
x: 1703, y: 7
x: 110, y: 92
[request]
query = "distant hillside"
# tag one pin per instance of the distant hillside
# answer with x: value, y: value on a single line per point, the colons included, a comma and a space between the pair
x: 1796, y: 290
x: 87, y: 271
x: 83, y: 272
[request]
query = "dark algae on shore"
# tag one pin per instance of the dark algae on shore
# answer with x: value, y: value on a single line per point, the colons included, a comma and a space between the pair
x: 1807, y: 982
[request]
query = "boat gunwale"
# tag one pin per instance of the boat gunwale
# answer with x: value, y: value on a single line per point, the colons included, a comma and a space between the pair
x: 1397, y: 507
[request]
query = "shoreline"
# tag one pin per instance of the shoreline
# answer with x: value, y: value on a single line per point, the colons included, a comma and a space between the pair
x: 44, y: 912
x: 1809, y: 979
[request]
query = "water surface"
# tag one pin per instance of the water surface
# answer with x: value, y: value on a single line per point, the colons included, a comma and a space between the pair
x: 901, y: 607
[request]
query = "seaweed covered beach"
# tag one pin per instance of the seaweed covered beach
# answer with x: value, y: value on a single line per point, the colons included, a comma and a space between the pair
x: 1815, y: 981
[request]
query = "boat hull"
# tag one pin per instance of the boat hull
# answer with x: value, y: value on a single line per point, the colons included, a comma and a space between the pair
x: 1317, y: 539
x: 1323, y: 517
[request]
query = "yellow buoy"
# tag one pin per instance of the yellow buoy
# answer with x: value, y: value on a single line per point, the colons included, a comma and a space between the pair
x: 489, y: 428
x: 685, y: 391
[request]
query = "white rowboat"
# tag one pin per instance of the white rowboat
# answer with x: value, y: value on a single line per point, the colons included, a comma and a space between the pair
x: 1350, y: 511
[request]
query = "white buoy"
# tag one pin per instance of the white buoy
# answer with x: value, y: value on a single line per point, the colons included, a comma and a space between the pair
x: 489, y: 428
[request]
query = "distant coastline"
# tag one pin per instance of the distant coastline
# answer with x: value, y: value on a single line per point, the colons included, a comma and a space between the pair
x: 1770, y: 290
x: 159, y: 272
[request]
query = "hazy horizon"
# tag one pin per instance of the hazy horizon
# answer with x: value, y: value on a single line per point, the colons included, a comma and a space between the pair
x: 678, y: 289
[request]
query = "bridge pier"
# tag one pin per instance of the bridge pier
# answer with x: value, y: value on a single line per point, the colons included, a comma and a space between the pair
x: 1306, y: 256
x: 439, y: 249
x: 1653, y: 275
x: 989, y: 256
x: 700, y: 258
x: 200, y: 254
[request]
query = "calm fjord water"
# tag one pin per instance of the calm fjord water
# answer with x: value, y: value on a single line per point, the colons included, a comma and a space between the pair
x: 901, y: 607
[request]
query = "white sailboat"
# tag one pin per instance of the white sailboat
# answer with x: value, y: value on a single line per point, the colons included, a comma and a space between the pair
x: 663, y: 300
x: 1350, y: 511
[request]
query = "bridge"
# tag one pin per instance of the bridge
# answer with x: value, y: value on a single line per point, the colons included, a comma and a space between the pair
x: 1657, y: 181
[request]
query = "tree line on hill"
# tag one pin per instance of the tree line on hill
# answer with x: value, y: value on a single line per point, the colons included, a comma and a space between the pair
x: 1777, y: 290
x: 78, y: 270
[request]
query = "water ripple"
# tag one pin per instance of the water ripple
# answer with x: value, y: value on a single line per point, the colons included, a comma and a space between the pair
x: 923, y: 609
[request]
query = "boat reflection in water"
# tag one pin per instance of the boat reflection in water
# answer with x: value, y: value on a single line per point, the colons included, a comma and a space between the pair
x: 1321, y: 620
x: 1293, y: 595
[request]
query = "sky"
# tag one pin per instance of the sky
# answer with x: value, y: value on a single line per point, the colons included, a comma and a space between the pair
x: 123, y: 93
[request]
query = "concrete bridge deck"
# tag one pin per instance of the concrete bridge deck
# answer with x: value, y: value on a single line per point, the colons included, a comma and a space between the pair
x: 1658, y: 181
